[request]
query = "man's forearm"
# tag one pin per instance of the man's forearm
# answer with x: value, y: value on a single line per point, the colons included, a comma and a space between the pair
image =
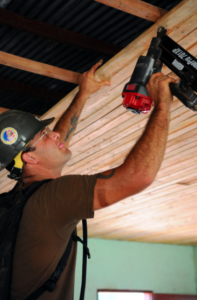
x: 147, y: 155
x: 67, y: 123
x: 88, y: 85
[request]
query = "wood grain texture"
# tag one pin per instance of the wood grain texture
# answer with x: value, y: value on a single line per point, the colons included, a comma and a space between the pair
x: 166, y: 211
x: 32, y: 66
x: 136, y: 7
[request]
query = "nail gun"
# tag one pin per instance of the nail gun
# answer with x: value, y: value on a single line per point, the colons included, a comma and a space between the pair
x: 162, y: 50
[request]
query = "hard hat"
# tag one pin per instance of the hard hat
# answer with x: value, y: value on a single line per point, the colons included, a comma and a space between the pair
x: 17, y: 129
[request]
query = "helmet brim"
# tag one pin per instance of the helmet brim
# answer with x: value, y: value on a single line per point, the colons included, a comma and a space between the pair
x: 47, y: 122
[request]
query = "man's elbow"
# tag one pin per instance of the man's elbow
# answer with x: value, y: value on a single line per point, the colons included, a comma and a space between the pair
x: 147, y: 179
x: 143, y: 181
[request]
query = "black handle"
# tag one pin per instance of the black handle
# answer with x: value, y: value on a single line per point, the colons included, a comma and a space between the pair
x: 185, y: 94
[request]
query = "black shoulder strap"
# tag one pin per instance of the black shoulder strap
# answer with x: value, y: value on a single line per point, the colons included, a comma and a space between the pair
x: 85, y: 254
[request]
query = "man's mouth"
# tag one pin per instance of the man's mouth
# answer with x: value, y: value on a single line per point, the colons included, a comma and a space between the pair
x: 61, y: 145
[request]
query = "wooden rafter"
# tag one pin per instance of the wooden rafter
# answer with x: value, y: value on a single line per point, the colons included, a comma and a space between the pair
x: 2, y: 110
x: 57, y: 34
x: 19, y: 87
x: 29, y: 65
x: 136, y: 7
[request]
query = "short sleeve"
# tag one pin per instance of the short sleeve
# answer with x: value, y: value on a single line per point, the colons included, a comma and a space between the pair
x: 69, y: 199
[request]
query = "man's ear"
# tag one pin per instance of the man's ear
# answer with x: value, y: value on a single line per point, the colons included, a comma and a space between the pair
x: 29, y: 158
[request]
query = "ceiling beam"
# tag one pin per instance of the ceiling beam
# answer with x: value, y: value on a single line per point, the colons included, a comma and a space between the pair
x: 31, y: 90
x: 32, y: 66
x: 57, y: 34
x: 136, y: 7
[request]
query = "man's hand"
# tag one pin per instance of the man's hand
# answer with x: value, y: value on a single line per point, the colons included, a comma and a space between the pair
x: 159, y: 90
x: 88, y: 84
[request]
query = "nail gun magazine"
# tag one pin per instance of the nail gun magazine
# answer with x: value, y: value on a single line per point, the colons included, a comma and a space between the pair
x: 162, y: 50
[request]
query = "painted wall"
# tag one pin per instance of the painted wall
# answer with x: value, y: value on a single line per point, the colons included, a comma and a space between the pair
x: 195, y: 264
x: 141, y: 266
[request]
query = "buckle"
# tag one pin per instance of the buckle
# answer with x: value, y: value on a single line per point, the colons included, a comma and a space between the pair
x: 51, y: 283
x: 88, y: 252
x: 15, y: 173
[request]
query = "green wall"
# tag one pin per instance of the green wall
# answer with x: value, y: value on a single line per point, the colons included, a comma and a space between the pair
x: 195, y: 264
x: 140, y: 266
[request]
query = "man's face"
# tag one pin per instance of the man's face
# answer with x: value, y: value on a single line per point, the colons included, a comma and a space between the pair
x: 49, y: 151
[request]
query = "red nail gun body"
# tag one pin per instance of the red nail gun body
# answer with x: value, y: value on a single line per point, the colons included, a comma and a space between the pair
x: 162, y: 50
x: 136, y: 98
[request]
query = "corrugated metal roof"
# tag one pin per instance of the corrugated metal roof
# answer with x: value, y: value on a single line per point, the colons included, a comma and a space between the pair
x: 86, y: 17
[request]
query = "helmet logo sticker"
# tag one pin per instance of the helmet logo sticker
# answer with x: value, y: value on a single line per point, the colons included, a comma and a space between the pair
x: 9, y: 135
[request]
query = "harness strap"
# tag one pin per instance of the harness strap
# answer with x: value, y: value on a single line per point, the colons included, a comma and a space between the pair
x: 84, y: 266
x: 76, y: 238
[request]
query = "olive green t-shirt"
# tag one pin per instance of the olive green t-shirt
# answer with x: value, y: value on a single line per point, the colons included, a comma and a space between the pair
x: 49, y: 218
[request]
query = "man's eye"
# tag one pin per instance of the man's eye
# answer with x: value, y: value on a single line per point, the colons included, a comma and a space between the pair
x: 43, y: 131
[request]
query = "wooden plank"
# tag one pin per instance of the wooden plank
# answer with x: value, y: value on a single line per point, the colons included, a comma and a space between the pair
x: 185, y: 204
x: 2, y: 110
x: 179, y: 129
x: 152, y: 230
x: 180, y: 140
x: 129, y: 129
x: 123, y: 130
x: 148, y: 209
x: 29, y: 65
x: 57, y: 34
x: 136, y: 7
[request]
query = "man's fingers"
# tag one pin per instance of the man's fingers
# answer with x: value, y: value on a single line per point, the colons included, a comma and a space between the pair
x: 105, y: 82
x: 155, y: 75
x: 95, y: 67
x: 165, y: 80
x: 160, y: 77
x: 170, y: 79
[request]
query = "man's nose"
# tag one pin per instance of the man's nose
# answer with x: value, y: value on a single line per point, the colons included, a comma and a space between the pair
x: 55, y: 135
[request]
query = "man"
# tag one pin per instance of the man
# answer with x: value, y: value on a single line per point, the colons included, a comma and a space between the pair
x: 52, y: 213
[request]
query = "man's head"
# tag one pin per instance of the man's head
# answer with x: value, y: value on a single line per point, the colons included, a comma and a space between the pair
x: 45, y: 152
x: 17, y: 129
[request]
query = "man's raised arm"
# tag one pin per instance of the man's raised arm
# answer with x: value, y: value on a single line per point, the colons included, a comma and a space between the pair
x: 143, y: 162
x: 88, y: 85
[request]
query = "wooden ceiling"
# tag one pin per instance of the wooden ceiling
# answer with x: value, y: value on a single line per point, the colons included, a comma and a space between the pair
x: 166, y: 211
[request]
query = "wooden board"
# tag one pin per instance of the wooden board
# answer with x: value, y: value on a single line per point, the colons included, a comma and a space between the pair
x: 166, y: 211
x: 32, y: 66
x: 136, y: 7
